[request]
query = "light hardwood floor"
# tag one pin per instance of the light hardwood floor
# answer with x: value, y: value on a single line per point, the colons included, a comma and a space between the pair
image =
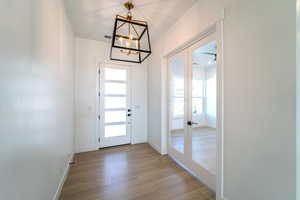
x: 131, y: 172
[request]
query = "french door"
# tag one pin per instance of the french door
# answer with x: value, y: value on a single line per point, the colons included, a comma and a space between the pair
x: 192, y: 108
x: 114, y: 106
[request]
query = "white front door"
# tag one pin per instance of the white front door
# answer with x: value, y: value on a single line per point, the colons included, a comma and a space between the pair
x: 115, y: 111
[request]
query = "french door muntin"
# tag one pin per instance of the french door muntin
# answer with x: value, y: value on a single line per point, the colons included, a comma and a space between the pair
x: 184, y: 154
x: 114, y: 106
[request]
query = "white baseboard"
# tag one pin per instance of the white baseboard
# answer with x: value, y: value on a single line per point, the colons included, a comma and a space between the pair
x: 155, y: 147
x: 220, y: 198
x: 192, y: 173
x: 86, y: 149
x: 139, y: 142
x: 186, y: 168
x: 63, y: 178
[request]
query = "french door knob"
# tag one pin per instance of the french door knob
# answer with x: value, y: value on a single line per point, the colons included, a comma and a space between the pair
x: 190, y: 123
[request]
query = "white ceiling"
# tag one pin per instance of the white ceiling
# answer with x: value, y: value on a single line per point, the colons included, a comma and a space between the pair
x: 92, y: 19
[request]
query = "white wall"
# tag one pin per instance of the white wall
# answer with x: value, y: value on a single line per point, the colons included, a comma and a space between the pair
x: 36, y: 110
x: 260, y: 99
x: 89, y: 53
x: 155, y: 97
x: 260, y: 92
x: 298, y: 98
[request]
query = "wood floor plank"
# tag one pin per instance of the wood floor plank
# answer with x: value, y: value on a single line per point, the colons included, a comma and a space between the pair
x: 131, y: 172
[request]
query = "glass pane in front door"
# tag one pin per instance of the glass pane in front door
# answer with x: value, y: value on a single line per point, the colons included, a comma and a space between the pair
x: 177, y: 102
x: 115, y: 130
x: 115, y: 116
x: 115, y: 110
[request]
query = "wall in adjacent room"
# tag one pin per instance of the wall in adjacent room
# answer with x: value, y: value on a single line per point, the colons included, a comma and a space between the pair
x: 36, y: 84
x: 211, y: 95
x: 89, y: 55
x: 259, y: 88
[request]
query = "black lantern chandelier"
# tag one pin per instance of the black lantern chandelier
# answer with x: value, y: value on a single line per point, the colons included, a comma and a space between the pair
x: 130, y: 40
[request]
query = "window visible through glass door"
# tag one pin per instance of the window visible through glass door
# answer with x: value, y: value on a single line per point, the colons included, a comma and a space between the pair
x: 177, y: 102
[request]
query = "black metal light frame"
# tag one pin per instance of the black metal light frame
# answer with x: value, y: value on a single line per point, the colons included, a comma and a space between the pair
x: 139, y: 50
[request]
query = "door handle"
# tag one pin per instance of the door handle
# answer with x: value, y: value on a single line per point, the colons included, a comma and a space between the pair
x: 128, y: 114
x: 190, y: 123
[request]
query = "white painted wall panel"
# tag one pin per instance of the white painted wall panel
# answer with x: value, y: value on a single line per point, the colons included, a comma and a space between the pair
x: 139, y: 103
x: 298, y: 96
x: 260, y: 99
x: 211, y: 93
x: 36, y: 92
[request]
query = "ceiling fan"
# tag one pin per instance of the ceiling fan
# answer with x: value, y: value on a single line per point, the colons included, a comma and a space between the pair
x: 211, y: 54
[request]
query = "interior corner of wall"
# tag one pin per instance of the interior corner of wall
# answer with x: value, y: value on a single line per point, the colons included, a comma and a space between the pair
x: 155, y: 147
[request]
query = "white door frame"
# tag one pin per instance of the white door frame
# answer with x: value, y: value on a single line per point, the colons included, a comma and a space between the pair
x: 100, y: 121
x: 218, y: 29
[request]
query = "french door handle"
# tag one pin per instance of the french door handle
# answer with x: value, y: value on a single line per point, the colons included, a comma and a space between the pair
x: 190, y: 123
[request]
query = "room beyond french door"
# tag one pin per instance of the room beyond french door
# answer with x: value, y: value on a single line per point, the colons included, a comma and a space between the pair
x: 114, y: 106
x: 192, y: 108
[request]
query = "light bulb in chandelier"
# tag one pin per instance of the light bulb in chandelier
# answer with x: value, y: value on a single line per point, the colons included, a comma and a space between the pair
x: 121, y: 41
x: 127, y: 44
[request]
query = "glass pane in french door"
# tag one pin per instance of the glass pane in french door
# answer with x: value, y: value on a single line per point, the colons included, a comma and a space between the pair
x: 177, y: 102
x: 203, y: 105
